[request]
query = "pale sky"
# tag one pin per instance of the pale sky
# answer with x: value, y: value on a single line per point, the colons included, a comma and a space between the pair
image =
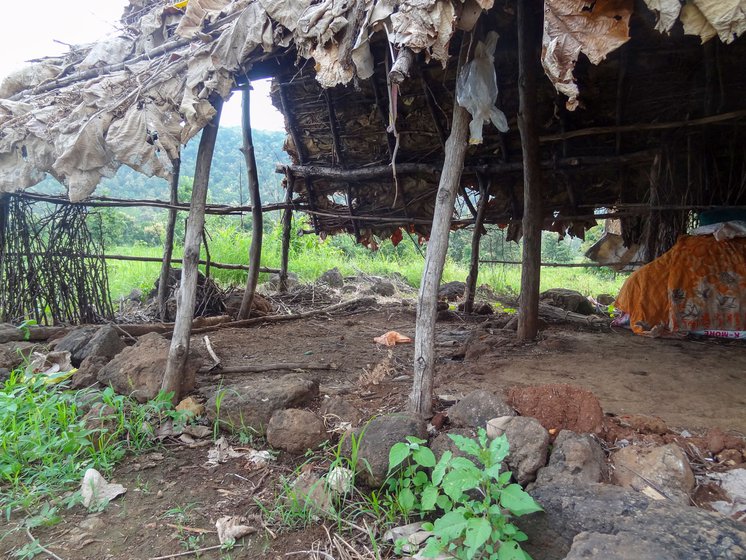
x: 31, y: 29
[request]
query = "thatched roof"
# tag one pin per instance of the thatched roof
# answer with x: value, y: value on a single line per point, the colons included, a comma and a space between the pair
x: 135, y: 99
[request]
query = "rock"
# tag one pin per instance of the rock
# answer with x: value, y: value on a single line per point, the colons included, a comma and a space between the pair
x: 138, y: 370
x: 295, y: 430
x: 383, y: 288
x: 605, y: 299
x: 643, y: 423
x: 569, y: 300
x: 378, y: 437
x: 74, y: 342
x: 734, y: 484
x: 529, y: 442
x: 259, y: 305
x: 684, y: 532
x: 559, y: 407
x: 476, y: 408
x: 622, y: 546
x: 13, y: 354
x: 577, y: 457
x: 311, y: 493
x: 4, y: 374
x: 87, y: 373
x: 729, y: 457
x: 90, y: 341
x: 251, y: 404
x: 274, y: 281
x: 481, y: 308
x: 442, y: 443
x: 715, y: 440
x: 451, y: 291
x: 337, y: 410
x: 654, y: 470
x: 332, y: 278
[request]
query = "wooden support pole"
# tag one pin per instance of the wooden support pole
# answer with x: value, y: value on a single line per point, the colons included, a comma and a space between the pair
x: 471, y: 279
x: 168, y: 247
x: 528, y: 61
x: 185, y: 299
x: 287, y: 220
x: 424, y: 345
x: 257, y: 229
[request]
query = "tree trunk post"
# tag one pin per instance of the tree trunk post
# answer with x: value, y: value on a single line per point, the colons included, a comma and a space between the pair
x: 257, y: 230
x: 528, y: 42
x: 287, y: 220
x: 471, y: 279
x: 427, y: 301
x: 168, y: 247
x: 185, y: 299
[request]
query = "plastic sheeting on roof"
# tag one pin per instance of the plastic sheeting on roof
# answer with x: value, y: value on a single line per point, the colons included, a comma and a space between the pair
x: 135, y: 98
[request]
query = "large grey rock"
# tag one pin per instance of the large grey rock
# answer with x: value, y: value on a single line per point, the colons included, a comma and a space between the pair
x: 338, y: 410
x: 274, y: 281
x: 476, y: 408
x: 87, y: 342
x: 451, y: 291
x: 654, y: 470
x: 529, y: 442
x: 13, y: 354
x: 442, y: 443
x: 332, y: 278
x: 378, y: 437
x: 87, y: 374
x: 250, y: 404
x: 138, y: 370
x: 569, y: 509
x: 622, y: 546
x: 74, y: 342
x: 383, y: 288
x: 569, y: 300
x: 574, y: 456
x: 295, y: 430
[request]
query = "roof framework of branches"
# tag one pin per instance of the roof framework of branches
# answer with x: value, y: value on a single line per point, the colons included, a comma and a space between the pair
x: 643, y: 105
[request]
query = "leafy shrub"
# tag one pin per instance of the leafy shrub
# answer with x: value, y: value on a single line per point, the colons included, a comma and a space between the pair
x: 470, y: 501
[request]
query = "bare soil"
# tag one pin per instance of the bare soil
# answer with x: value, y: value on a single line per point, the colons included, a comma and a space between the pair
x: 696, y: 385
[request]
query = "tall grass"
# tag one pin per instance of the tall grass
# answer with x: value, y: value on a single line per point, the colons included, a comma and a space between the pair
x: 310, y: 257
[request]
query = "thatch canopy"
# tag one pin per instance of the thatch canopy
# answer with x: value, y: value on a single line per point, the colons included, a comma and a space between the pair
x: 640, y: 106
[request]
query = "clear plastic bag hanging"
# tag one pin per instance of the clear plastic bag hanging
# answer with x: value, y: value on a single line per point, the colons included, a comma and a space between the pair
x: 476, y: 89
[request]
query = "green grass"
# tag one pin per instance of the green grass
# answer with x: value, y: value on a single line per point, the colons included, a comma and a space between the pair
x: 45, y: 445
x: 310, y: 257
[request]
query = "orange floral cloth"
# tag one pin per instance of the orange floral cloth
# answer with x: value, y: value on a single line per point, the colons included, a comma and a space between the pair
x: 700, y: 284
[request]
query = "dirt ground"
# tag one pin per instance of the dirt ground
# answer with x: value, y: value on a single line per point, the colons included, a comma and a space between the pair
x: 173, y: 500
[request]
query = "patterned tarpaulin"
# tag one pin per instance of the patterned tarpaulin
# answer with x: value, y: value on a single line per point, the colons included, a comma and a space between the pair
x: 699, y: 285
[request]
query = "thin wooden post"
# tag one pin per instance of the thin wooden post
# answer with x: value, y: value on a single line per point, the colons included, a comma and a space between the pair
x: 257, y: 230
x: 437, y: 246
x: 471, y: 279
x: 168, y: 247
x: 528, y: 42
x: 287, y: 220
x: 185, y: 299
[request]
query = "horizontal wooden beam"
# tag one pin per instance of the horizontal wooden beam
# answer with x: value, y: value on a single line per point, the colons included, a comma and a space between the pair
x: 104, y: 202
x: 383, y: 171
x: 600, y: 130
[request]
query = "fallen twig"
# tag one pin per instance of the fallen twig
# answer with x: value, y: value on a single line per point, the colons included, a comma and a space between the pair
x: 188, y: 552
x: 212, y: 353
x: 46, y: 550
x: 268, y: 367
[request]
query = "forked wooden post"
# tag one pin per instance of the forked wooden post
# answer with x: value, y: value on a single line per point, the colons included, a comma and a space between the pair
x: 255, y: 253
x: 437, y: 246
x: 471, y: 279
x: 528, y: 43
x: 168, y: 247
x: 185, y: 299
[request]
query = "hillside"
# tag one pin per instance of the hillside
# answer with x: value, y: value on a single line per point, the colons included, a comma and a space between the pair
x: 227, y: 178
